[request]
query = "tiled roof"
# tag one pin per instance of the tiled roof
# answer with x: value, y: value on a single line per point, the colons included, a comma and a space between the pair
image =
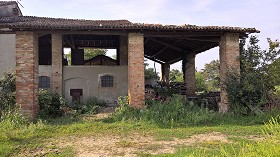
x: 7, y: 2
x: 31, y: 22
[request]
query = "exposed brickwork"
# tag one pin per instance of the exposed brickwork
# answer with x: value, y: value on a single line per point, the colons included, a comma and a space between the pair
x: 27, y: 73
x: 136, y: 85
x: 56, y: 75
x: 165, y: 69
x: 123, y: 50
x: 190, y: 74
x: 229, y: 53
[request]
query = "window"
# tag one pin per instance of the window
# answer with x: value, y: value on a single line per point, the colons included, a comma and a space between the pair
x: 44, y: 82
x: 107, y: 81
x: 76, y: 95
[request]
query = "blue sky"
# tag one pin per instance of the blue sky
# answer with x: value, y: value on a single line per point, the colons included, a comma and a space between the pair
x: 261, y: 14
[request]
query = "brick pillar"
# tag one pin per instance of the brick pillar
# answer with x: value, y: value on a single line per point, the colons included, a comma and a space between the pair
x: 190, y: 74
x: 229, y: 53
x: 136, y: 85
x: 165, y: 69
x: 27, y: 73
x: 56, y: 75
x: 123, y: 50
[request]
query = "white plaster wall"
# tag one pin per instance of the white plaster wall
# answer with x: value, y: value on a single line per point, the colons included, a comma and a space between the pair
x: 45, y: 70
x: 87, y: 78
x: 7, y: 53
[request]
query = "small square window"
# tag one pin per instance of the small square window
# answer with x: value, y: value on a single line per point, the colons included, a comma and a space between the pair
x: 107, y: 81
x: 44, y: 82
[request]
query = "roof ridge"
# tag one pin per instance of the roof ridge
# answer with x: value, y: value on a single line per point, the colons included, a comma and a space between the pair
x: 54, y: 18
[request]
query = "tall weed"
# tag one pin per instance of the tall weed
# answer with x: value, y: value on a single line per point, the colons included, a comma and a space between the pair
x: 173, y: 112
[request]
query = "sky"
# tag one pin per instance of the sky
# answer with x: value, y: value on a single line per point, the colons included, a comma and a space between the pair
x: 263, y: 15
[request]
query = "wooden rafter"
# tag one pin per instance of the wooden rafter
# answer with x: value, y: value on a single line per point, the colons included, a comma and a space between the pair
x: 159, y: 52
x: 166, y: 44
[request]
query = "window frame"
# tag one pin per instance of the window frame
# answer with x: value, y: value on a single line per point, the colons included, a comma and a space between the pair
x: 44, y: 82
x: 107, y: 81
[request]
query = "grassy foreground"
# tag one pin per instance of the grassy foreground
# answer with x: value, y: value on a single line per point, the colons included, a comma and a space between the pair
x: 232, y: 136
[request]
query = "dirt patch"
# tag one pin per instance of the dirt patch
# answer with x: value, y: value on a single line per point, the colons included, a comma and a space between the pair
x: 105, y: 146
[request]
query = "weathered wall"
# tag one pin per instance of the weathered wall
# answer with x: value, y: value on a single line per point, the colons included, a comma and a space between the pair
x: 7, y: 53
x: 45, y: 70
x: 87, y: 78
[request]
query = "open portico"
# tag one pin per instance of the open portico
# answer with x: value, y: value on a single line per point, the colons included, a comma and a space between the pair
x: 41, y: 40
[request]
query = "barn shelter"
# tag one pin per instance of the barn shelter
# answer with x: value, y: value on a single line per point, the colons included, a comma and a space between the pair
x: 36, y: 50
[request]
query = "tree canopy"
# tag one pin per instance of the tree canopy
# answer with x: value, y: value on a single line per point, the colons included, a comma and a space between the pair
x: 92, y: 52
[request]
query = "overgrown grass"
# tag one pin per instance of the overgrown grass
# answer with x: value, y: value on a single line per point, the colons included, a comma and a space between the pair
x: 18, y: 135
x: 175, y: 113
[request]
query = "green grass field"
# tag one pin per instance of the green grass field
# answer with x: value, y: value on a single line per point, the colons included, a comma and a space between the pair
x: 87, y: 135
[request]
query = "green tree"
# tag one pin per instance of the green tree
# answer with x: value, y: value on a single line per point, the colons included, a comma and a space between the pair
x: 251, y: 89
x: 211, y: 74
x: 200, y: 83
x: 150, y: 73
x: 92, y: 52
x: 88, y: 53
x: 176, y: 75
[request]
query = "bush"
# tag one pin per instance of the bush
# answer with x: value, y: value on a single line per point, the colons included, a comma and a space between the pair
x: 12, y: 119
x: 50, y: 103
x: 7, y: 92
x: 90, y: 105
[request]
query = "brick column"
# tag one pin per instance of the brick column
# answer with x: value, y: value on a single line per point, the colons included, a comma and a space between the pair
x: 190, y: 74
x: 123, y: 50
x: 136, y: 85
x: 165, y: 69
x: 229, y: 53
x: 56, y: 75
x: 27, y: 73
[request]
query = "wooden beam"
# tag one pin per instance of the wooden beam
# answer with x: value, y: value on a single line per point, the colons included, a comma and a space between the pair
x: 174, y: 60
x: 167, y: 44
x: 146, y: 40
x: 211, y: 39
x: 159, y: 52
x: 205, y: 48
x: 153, y: 59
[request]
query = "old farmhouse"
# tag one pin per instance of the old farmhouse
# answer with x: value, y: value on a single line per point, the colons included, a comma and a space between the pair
x: 33, y: 46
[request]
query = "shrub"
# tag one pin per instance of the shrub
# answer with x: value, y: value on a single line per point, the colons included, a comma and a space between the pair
x: 50, y: 103
x: 7, y: 92
x: 90, y: 105
x: 12, y: 119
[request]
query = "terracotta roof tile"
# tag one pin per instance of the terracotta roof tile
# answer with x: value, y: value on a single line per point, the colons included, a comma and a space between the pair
x: 32, y: 22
